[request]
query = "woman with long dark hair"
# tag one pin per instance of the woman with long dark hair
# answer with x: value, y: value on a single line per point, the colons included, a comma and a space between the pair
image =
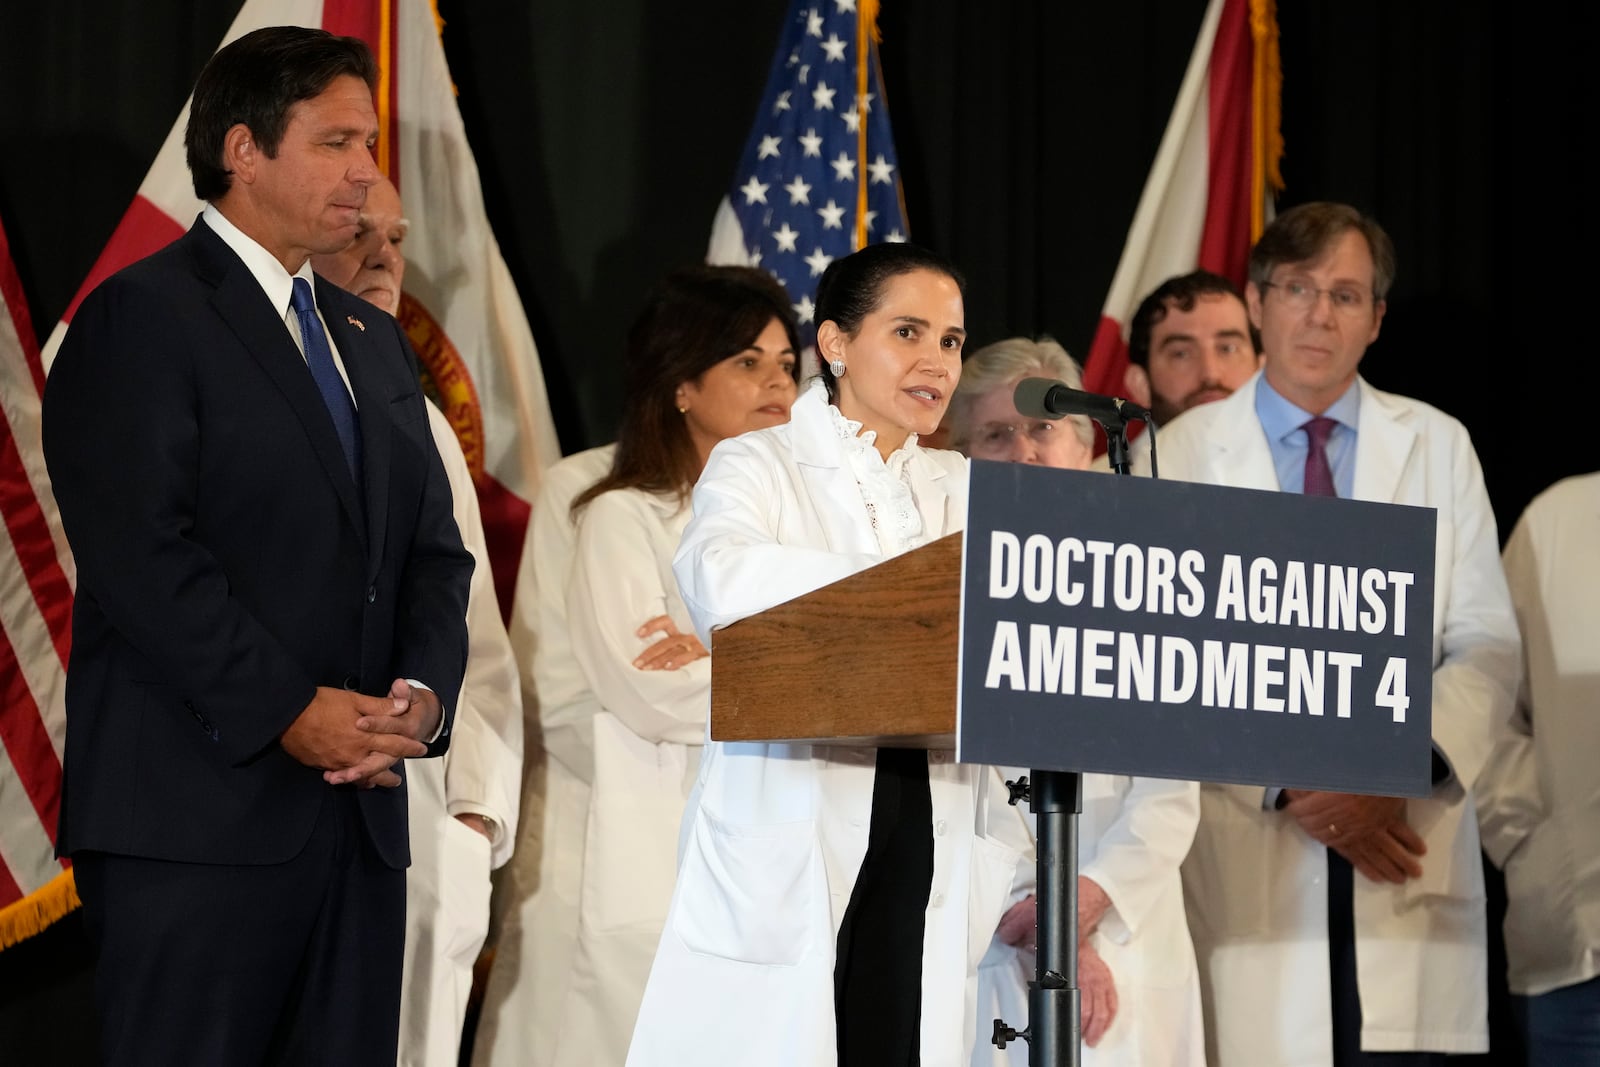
x: 712, y: 355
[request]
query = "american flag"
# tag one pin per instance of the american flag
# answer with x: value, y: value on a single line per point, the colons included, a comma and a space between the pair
x: 818, y: 177
x: 35, y: 632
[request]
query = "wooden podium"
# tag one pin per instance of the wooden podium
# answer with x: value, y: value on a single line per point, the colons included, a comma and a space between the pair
x: 873, y: 660
x: 868, y: 660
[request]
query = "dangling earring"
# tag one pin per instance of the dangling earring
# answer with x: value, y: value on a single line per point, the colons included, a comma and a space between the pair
x: 837, y: 366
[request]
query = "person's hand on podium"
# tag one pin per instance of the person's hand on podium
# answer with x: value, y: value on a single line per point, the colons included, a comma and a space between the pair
x: 1371, y: 832
x: 675, y: 649
x: 1098, y: 993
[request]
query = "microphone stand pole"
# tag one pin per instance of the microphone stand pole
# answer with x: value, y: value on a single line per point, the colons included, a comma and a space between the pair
x: 1054, y: 1032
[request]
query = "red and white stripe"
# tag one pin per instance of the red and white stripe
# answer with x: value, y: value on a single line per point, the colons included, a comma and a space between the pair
x: 454, y: 266
x: 1206, y: 192
x: 36, y: 579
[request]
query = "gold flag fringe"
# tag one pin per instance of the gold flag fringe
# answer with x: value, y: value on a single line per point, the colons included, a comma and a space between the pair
x: 867, y: 38
x: 1266, y: 112
x: 23, y: 918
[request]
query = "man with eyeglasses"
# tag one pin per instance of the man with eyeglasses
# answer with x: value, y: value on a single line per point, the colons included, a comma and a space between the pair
x: 1336, y: 929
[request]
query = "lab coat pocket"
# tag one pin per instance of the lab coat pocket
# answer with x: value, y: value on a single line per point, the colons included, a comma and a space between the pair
x: 1232, y: 863
x: 1539, y: 888
x: 745, y: 892
x: 463, y: 892
x: 994, y: 868
x: 632, y: 836
x: 1453, y: 867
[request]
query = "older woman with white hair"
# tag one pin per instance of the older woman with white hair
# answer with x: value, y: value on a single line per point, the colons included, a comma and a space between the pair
x: 984, y: 421
x: 1136, y: 965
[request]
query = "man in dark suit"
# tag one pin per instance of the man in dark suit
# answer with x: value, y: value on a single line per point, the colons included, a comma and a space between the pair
x: 271, y: 593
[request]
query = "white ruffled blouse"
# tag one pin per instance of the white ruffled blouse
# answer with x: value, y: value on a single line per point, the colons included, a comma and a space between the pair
x: 885, y: 485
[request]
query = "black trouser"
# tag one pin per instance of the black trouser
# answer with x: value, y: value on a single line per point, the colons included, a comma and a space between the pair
x: 292, y: 963
x: 877, y: 972
x: 1342, y: 972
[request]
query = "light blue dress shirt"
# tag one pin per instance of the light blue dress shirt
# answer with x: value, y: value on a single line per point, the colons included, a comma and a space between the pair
x: 1283, y: 424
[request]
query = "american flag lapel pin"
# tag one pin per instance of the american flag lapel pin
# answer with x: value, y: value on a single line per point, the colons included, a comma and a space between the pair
x: 357, y: 323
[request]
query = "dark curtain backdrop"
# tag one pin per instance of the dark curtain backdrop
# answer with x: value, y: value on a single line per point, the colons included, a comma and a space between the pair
x: 606, y: 134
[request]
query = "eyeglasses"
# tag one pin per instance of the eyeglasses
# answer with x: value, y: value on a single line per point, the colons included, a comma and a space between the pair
x: 995, y: 438
x: 1302, y: 296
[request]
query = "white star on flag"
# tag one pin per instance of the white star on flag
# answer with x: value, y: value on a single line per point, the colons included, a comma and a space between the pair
x: 754, y: 192
x: 799, y: 192
x: 790, y: 151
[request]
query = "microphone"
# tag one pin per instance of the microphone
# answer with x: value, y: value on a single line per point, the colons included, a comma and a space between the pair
x: 1047, y: 399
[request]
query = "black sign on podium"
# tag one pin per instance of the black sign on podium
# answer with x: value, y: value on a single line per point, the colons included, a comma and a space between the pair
x: 1169, y: 629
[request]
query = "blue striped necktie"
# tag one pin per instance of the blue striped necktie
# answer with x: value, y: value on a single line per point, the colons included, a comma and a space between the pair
x: 319, y: 357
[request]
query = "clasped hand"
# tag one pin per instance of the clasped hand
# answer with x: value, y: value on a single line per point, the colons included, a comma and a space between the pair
x: 354, y: 738
x: 1098, y: 997
x: 1371, y: 832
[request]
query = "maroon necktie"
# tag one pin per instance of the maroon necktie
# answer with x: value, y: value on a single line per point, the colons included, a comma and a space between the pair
x: 1319, y: 475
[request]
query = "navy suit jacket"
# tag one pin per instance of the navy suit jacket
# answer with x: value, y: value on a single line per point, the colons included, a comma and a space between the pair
x: 227, y: 562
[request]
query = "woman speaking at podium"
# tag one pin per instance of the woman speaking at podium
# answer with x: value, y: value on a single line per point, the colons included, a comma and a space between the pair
x: 832, y: 903
x: 1136, y: 966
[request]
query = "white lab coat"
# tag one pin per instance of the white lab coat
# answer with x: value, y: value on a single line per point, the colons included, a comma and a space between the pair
x: 1537, y: 799
x: 536, y: 898
x: 647, y: 738
x: 447, y: 884
x: 1132, y: 836
x: 775, y: 834
x: 1256, y: 885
